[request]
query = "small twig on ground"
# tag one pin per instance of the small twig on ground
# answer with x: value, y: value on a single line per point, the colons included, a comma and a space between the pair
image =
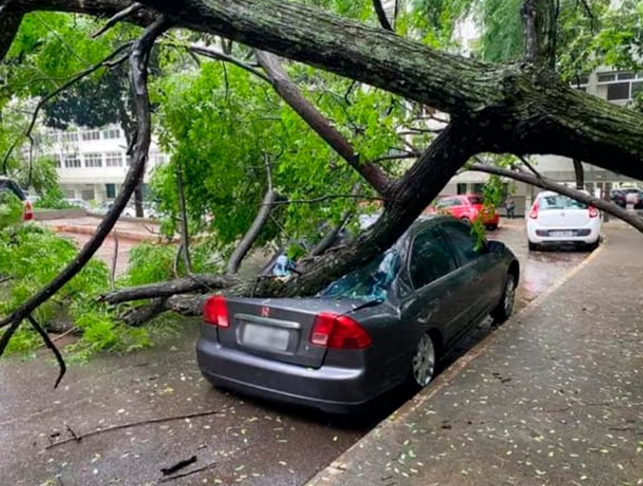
x: 189, y: 473
x: 178, y: 466
x: 80, y: 437
x: 50, y: 345
x: 73, y: 433
x: 60, y: 336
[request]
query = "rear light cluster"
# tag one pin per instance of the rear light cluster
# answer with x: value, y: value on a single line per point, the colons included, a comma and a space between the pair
x: 338, y: 332
x: 593, y: 212
x: 533, y: 214
x: 215, y: 312
x: 330, y: 330
x: 28, y: 214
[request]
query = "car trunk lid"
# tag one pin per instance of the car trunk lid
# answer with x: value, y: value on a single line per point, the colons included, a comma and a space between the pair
x: 280, y: 329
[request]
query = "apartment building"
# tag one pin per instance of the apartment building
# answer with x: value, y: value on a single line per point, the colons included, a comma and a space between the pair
x: 92, y: 164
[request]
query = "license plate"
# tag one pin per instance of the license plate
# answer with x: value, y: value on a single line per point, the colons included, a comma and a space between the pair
x: 561, y: 234
x: 265, y: 337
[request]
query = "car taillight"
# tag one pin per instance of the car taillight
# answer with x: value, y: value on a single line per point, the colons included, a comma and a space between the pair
x: 215, y: 311
x: 339, y: 332
x: 593, y: 212
x: 28, y: 214
x: 533, y: 214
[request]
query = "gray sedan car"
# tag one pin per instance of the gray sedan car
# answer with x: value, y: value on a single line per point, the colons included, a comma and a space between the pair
x: 383, y: 325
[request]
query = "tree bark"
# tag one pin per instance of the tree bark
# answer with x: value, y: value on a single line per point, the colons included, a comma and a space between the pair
x: 579, y: 173
x: 539, y: 21
x: 10, y: 20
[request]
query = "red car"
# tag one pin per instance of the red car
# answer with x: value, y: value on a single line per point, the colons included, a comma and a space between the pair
x: 468, y: 208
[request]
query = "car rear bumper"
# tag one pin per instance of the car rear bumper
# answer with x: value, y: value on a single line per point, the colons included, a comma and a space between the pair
x: 587, y: 235
x: 330, y: 389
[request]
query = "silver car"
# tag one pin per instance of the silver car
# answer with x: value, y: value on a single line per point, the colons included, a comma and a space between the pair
x: 382, y: 325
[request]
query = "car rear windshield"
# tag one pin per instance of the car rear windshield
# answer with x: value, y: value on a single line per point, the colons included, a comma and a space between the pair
x: 560, y: 202
x: 370, y: 282
x: 476, y: 199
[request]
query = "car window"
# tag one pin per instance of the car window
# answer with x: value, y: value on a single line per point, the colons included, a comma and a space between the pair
x: 431, y: 258
x: 476, y: 199
x: 560, y: 202
x: 370, y: 282
x: 463, y: 241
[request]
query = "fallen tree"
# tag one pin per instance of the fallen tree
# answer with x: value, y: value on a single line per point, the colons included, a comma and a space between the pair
x: 520, y: 109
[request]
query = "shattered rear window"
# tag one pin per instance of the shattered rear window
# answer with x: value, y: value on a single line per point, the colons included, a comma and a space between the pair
x: 370, y: 282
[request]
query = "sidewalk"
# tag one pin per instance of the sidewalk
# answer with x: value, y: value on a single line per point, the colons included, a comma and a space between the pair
x: 554, y: 397
x: 128, y: 230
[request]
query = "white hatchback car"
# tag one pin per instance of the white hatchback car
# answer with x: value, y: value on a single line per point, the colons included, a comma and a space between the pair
x: 555, y: 219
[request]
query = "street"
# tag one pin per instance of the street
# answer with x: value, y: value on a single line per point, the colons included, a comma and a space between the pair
x: 238, y: 440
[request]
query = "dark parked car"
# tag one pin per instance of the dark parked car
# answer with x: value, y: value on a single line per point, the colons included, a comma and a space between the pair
x: 12, y: 187
x: 619, y: 198
x: 382, y: 325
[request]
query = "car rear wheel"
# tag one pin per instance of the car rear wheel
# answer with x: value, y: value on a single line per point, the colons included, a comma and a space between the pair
x: 423, y: 363
x: 466, y: 220
x: 492, y: 227
x: 505, y: 307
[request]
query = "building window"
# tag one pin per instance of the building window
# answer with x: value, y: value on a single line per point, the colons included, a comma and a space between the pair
x: 57, y: 163
x: 618, y: 91
x: 70, y: 137
x: 90, y: 135
x: 72, y: 162
x: 93, y: 160
x: 110, y: 191
x: 462, y: 188
x: 112, y: 133
x: 478, y: 188
x: 113, y: 159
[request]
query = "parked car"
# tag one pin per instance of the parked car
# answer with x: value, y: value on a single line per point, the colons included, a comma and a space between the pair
x: 79, y: 203
x: 555, y: 219
x: 633, y: 195
x: 382, y: 325
x: 8, y: 185
x: 468, y: 208
x: 619, y: 198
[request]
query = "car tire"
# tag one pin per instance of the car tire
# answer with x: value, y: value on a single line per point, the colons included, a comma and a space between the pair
x: 423, y: 363
x: 492, y: 227
x: 505, y: 307
x: 592, y: 246
x: 532, y: 246
x: 465, y: 220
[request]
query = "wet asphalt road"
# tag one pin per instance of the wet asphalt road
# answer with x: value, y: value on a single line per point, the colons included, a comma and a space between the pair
x: 245, y: 441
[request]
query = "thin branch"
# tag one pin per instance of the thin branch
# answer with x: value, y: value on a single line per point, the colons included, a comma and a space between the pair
x: 185, y: 237
x: 112, y: 273
x: 123, y: 14
x: 545, y: 183
x: 381, y: 15
x: 80, y: 437
x: 332, y: 196
x: 139, y: 61
x: 220, y: 56
x: 291, y: 94
x: 530, y: 167
x: 50, y: 345
x: 407, y: 155
x: 55, y: 93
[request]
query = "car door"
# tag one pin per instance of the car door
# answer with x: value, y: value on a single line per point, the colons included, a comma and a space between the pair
x: 480, y: 268
x: 430, y: 300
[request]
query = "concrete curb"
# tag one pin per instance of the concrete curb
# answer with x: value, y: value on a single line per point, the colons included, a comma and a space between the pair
x: 333, y: 473
x: 90, y: 231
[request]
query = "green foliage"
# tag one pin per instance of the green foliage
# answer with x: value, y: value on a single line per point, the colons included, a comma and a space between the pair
x: 150, y: 263
x: 11, y: 210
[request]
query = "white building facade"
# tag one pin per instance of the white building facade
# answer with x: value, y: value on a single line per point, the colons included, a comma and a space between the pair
x: 92, y: 164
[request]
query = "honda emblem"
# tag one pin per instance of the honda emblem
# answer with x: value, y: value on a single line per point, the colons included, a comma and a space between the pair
x: 265, y: 311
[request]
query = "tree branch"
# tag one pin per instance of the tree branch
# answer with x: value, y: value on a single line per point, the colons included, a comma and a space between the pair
x: 258, y: 224
x: 311, y: 115
x: 123, y: 14
x: 545, y: 183
x: 185, y: 237
x: 539, y: 21
x: 49, y: 343
x: 220, y: 56
x: 10, y: 19
x: 381, y: 15
x: 198, y: 283
x: 139, y: 61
